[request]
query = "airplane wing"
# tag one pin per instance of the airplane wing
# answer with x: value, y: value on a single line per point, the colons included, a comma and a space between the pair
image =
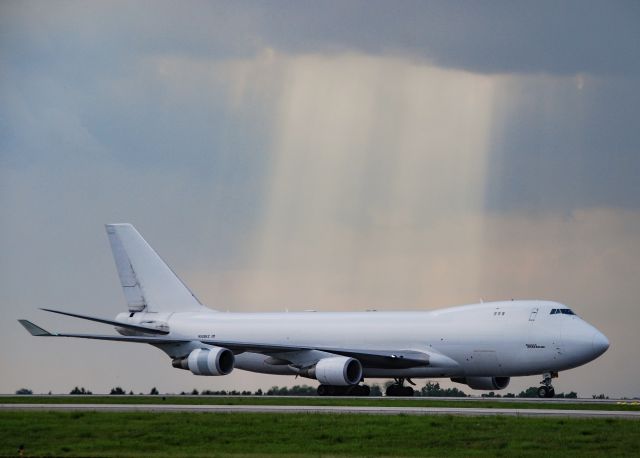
x: 287, y: 354
x: 134, y: 327
x: 36, y: 330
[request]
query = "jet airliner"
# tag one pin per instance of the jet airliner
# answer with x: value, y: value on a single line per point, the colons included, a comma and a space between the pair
x: 481, y: 345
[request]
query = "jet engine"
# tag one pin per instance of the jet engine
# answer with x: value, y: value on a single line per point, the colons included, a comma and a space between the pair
x: 207, y: 361
x: 339, y: 370
x: 484, y: 383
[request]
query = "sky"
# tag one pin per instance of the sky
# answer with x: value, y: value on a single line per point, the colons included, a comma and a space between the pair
x: 338, y: 155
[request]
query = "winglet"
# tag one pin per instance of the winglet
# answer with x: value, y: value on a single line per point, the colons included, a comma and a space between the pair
x: 33, y: 329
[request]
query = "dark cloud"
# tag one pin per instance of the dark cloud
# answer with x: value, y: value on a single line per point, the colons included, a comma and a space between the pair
x: 74, y: 71
x: 560, y: 145
x: 490, y: 37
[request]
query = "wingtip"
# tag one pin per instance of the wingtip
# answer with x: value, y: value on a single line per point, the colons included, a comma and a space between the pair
x: 33, y: 329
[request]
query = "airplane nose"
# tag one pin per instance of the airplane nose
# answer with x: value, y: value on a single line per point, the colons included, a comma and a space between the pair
x: 600, y: 343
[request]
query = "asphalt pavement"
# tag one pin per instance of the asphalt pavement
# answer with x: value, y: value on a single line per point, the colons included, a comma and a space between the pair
x: 468, y: 411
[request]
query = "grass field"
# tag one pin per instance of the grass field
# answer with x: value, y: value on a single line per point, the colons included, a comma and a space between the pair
x: 307, y: 401
x: 205, y: 434
x: 246, y: 434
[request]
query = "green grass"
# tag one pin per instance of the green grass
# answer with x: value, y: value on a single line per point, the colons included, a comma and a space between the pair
x: 307, y: 401
x: 256, y: 434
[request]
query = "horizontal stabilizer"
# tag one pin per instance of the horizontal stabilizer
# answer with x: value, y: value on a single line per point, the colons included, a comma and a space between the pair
x: 33, y: 329
x: 134, y: 327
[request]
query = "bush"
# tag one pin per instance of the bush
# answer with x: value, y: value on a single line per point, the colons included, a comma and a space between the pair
x: 570, y: 395
x: 24, y: 391
x: 531, y: 392
x: 490, y: 394
x: 296, y: 390
x: 77, y: 390
x: 433, y: 389
x: 154, y: 391
x: 117, y: 390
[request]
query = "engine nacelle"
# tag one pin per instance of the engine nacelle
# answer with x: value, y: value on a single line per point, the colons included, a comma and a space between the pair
x: 207, y: 361
x: 339, y: 370
x: 484, y: 383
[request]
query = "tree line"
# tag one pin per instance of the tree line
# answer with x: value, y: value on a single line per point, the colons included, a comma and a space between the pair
x: 431, y: 389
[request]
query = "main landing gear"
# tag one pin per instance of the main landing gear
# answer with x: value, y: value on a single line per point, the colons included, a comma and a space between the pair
x: 398, y: 388
x: 349, y: 390
x: 547, y: 390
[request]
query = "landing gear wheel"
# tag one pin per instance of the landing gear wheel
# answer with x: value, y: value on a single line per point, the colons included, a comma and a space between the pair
x: 350, y: 390
x: 358, y: 390
x: 340, y: 390
x: 326, y: 390
x: 546, y: 390
x: 397, y: 389
x: 543, y: 392
x: 407, y: 391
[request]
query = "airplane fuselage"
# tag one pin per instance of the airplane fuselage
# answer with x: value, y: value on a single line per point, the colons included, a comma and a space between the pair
x: 510, y: 338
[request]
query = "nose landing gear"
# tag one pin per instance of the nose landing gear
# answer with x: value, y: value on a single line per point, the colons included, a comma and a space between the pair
x: 547, y: 390
x: 398, y: 388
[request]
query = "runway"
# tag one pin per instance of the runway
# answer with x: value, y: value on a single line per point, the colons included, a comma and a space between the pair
x: 467, y: 411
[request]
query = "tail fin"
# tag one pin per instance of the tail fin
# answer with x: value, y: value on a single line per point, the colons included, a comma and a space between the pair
x: 148, y: 283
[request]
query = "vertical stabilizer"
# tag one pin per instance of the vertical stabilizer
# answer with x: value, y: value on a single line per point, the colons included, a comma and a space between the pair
x: 147, y: 281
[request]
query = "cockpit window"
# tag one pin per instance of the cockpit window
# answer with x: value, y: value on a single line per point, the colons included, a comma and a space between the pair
x: 562, y: 311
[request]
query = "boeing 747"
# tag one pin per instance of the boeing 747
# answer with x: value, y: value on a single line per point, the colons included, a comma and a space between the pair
x: 481, y: 345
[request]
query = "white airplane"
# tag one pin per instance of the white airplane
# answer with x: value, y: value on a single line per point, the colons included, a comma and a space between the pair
x: 481, y: 345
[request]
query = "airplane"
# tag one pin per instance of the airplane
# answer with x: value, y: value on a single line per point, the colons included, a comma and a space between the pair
x: 480, y: 345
